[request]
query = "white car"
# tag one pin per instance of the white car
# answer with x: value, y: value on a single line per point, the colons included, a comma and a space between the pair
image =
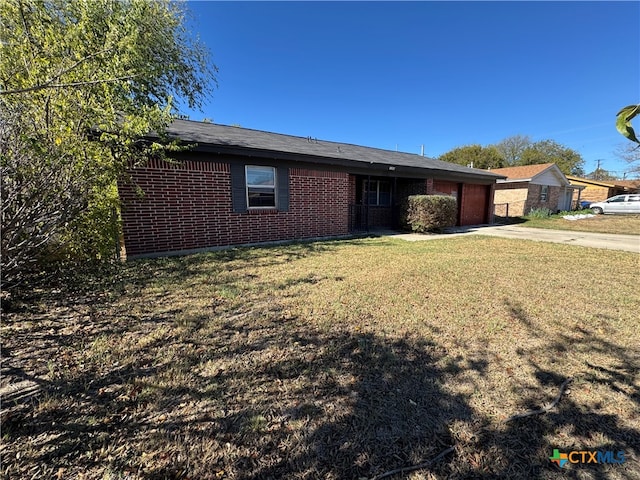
x: 618, y: 204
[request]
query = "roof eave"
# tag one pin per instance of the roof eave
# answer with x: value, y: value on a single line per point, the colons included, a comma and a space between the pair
x: 593, y: 182
x: 515, y: 180
x: 423, y: 171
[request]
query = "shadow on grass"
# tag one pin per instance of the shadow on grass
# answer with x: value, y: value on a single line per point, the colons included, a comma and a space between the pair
x: 376, y: 405
x: 525, y: 440
x: 510, y: 220
x: 258, y: 396
x: 328, y: 405
x: 234, y: 260
x: 85, y: 285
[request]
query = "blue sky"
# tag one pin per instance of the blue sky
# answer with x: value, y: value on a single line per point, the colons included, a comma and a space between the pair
x: 399, y: 75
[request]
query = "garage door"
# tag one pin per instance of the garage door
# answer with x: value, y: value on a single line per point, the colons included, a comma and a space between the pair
x: 475, y: 199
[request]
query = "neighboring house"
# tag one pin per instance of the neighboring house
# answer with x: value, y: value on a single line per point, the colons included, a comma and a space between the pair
x: 531, y: 187
x: 630, y: 186
x: 598, y: 190
x: 238, y: 186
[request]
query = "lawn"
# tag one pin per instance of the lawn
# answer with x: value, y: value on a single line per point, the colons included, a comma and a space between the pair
x: 332, y: 360
x: 618, y: 224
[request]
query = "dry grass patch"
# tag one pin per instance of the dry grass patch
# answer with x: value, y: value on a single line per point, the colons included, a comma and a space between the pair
x: 331, y: 360
x: 616, y: 224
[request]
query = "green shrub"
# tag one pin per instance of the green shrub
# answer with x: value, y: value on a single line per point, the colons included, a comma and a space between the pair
x: 540, y: 213
x: 427, y: 213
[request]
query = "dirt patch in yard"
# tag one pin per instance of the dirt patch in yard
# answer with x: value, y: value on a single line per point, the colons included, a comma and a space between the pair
x: 328, y: 360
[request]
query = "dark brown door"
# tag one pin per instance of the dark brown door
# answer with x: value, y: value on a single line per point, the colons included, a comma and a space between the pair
x: 475, y: 200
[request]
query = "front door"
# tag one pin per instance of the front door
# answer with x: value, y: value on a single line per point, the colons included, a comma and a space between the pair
x: 565, y: 204
x: 373, y: 203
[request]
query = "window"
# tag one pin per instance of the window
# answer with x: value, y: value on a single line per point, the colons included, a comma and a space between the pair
x: 261, y: 186
x: 254, y: 187
x: 544, y: 193
x: 378, y: 192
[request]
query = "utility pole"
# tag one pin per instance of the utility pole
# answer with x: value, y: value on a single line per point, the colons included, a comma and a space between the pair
x: 598, y: 172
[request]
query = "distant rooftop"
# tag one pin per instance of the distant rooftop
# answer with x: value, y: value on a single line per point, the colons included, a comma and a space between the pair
x: 627, y: 184
x: 524, y: 172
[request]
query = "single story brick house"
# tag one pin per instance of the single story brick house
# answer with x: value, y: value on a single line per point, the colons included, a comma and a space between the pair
x: 531, y: 187
x: 237, y: 186
x: 600, y: 190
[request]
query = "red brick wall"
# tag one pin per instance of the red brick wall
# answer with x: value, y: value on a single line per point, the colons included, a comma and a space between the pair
x: 187, y: 205
x: 352, y: 189
x: 534, y: 201
x: 430, y: 186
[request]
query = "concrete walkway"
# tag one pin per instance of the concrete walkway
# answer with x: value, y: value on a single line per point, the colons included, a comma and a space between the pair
x: 629, y: 243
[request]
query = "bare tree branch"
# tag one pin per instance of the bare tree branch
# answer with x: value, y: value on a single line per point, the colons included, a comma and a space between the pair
x: 66, y: 85
x: 544, y: 409
x: 412, y: 468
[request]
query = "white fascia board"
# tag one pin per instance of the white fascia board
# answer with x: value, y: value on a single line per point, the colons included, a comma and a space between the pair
x: 514, y: 180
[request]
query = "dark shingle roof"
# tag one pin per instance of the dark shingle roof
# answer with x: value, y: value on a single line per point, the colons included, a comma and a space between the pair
x: 228, y: 138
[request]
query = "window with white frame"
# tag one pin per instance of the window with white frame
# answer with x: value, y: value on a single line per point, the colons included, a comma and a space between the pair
x: 544, y: 193
x: 378, y: 192
x: 261, y: 186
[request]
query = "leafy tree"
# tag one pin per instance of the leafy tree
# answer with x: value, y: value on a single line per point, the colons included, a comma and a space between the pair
x: 81, y: 83
x: 476, y: 155
x: 511, y: 148
x: 547, y: 151
x: 517, y: 151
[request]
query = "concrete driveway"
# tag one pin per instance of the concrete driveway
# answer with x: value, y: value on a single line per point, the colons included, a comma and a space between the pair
x: 629, y: 243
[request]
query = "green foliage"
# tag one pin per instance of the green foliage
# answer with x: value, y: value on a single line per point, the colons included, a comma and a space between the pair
x: 517, y: 151
x: 100, y: 225
x: 81, y: 84
x: 539, y: 213
x: 476, y: 155
x: 426, y: 213
x: 136, y: 53
x: 623, y: 121
x: 547, y: 151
